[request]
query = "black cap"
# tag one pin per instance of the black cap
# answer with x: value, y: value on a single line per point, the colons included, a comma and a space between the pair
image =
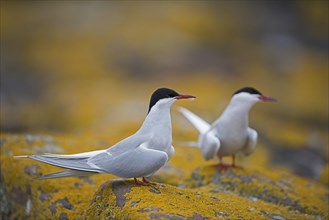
x: 248, y: 90
x: 161, y: 94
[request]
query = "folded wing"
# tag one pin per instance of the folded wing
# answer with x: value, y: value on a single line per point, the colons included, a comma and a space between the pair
x: 251, y: 142
x: 65, y: 173
x: 80, y: 155
x: 138, y: 162
x: 69, y: 163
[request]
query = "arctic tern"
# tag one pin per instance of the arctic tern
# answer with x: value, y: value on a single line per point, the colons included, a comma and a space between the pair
x: 139, y: 155
x: 230, y: 133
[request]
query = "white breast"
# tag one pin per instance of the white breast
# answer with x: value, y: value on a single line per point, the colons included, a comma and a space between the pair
x: 232, y: 133
x: 157, y: 127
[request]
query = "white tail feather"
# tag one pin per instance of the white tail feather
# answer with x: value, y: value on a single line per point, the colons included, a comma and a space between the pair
x: 23, y: 157
x: 201, y: 125
x: 192, y: 144
x: 80, y: 155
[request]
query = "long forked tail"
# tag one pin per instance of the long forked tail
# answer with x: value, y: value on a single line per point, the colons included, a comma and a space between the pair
x: 76, y: 164
x: 65, y: 173
x: 201, y: 125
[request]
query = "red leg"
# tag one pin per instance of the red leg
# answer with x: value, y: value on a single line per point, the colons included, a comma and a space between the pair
x: 148, y: 182
x: 137, y: 182
x: 222, y: 166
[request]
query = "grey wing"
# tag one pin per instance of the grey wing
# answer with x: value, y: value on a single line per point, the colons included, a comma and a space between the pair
x: 65, y: 173
x: 76, y: 163
x: 251, y: 142
x: 138, y: 162
x: 79, y: 162
x: 69, y: 163
x: 127, y: 144
x: 209, y: 145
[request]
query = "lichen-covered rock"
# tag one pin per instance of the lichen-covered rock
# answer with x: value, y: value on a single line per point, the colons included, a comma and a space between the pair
x: 23, y: 197
x: 121, y: 199
x: 277, y: 187
x: 188, y: 188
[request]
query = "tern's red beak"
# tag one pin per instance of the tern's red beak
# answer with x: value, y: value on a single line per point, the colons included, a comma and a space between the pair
x: 185, y: 97
x: 267, y: 98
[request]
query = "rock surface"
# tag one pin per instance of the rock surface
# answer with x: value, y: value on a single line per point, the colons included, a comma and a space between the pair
x: 188, y: 188
x: 232, y: 194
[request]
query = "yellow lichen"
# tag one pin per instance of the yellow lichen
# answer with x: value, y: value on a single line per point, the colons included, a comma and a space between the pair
x: 254, y: 191
x: 56, y: 189
x: 166, y: 200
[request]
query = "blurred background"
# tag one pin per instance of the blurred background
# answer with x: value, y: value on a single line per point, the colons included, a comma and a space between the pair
x: 89, y: 68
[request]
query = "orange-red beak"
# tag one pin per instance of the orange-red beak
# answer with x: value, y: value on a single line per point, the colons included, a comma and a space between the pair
x: 267, y: 98
x: 185, y: 97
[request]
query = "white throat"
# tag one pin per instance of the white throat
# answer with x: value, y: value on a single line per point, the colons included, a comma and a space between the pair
x: 159, y: 116
x: 239, y: 106
x: 236, y: 114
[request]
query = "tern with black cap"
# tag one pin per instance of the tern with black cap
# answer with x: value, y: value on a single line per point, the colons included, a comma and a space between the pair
x: 230, y: 133
x: 139, y: 155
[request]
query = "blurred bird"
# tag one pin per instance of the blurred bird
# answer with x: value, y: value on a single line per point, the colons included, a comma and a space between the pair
x: 230, y: 133
x: 139, y: 155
